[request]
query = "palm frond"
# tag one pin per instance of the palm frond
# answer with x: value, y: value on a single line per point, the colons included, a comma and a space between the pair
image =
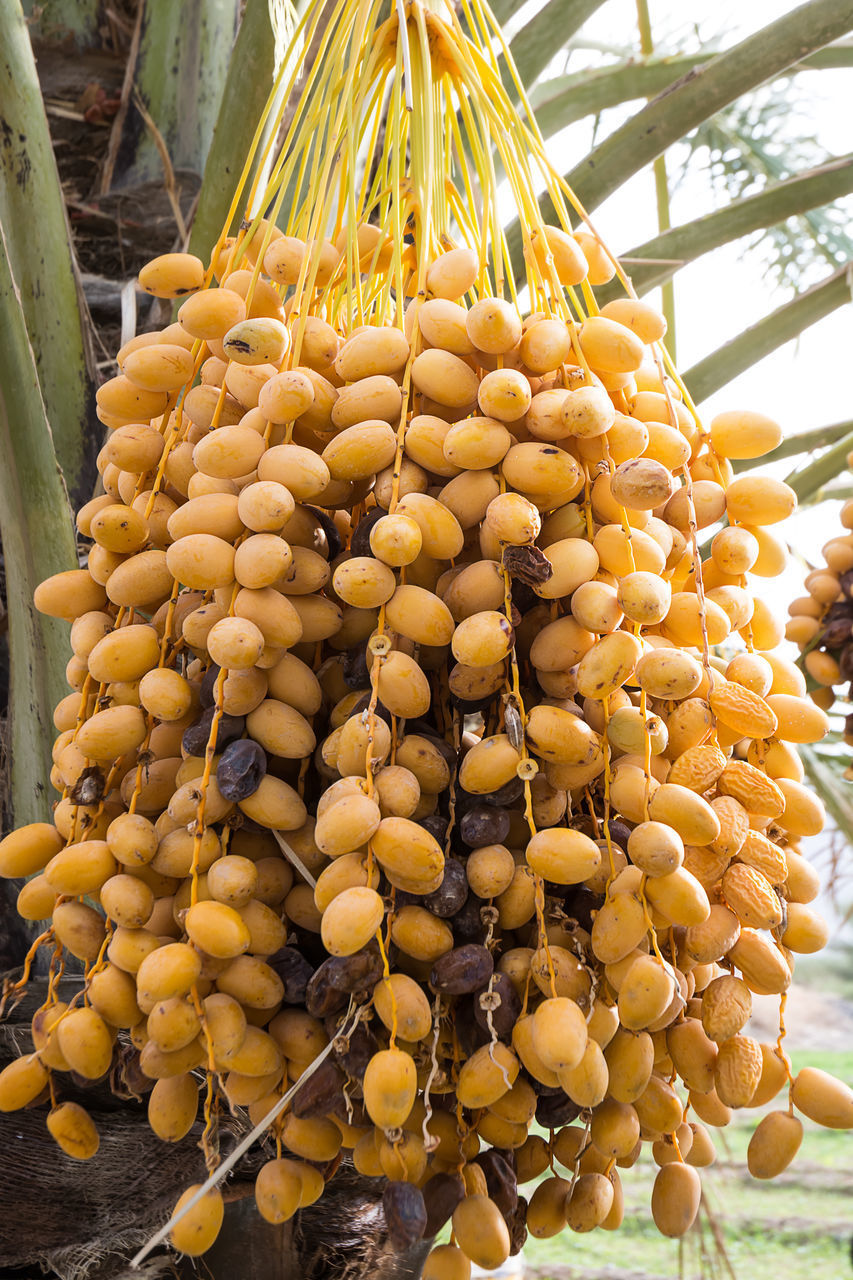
x: 756, y: 342
x: 657, y: 260
x: 754, y: 142
x: 563, y: 99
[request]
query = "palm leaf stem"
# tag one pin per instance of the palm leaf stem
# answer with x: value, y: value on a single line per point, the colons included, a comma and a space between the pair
x: 756, y: 342
x: 562, y: 100
x: 32, y: 213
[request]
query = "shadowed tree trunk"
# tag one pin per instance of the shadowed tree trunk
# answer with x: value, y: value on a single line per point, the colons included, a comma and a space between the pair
x: 91, y: 1217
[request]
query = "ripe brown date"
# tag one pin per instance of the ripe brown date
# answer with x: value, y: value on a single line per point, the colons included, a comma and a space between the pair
x: 442, y: 1193
x: 241, y: 769
x: 451, y: 894
x: 462, y: 970
x: 405, y: 1214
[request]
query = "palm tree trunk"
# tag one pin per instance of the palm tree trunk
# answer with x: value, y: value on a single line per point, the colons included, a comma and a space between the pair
x: 38, y: 245
x: 178, y: 67
x: 36, y: 531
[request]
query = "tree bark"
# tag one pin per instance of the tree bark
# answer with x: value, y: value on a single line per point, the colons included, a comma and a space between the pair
x: 38, y: 244
x: 93, y: 1216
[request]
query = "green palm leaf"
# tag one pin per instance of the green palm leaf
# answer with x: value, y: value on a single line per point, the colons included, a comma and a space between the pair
x: 562, y: 100
x: 657, y: 260
x: 756, y: 342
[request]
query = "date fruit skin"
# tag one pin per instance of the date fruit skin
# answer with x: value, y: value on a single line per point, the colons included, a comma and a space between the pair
x: 507, y: 1013
x: 451, y: 895
x: 484, y: 824
x: 462, y: 970
x: 435, y: 825
x: 341, y: 976
x: 527, y: 564
x: 321, y: 997
x: 228, y: 730
x: 507, y: 794
x: 354, y: 668
x: 334, y: 546
x: 467, y: 924
x: 405, y: 1214
x: 517, y: 1223
x: 500, y: 1180
x: 320, y: 1093
x: 360, y: 540
x: 442, y: 1193
x: 294, y: 971
x: 241, y: 769
x: 580, y: 903
x: 361, y: 1048
x: 468, y: 1030
x: 555, y: 1109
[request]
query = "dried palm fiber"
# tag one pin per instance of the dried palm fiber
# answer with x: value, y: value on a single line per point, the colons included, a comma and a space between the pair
x: 82, y: 1229
x: 76, y: 1226
x: 419, y: 716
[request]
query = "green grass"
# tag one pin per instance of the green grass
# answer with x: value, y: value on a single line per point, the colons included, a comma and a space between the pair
x: 829, y: 971
x: 797, y: 1227
x: 628, y: 1254
x: 840, y: 1064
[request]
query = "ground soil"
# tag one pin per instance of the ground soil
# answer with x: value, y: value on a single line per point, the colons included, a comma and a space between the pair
x: 814, y: 1019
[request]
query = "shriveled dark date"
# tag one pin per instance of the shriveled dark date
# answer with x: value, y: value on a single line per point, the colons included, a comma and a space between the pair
x: 451, y: 894
x: 241, y: 769
x: 462, y: 970
x: 321, y: 1091
x: 442, y: 1193
x: 229, y: 729
x: 405, y: 1214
